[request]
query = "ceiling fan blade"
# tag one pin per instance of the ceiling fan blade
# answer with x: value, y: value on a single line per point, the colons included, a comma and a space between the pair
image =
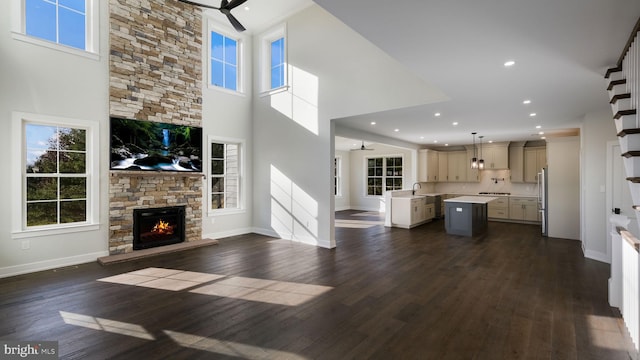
x: 236, y: 24
x: 233, y: 4
x: 198, y: 4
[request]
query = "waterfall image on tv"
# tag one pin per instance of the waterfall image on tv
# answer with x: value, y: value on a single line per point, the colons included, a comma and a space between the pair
x: 155, y: 146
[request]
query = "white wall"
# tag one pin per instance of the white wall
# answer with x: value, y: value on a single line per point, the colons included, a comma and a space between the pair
x: 40, y: 80
x: 334, y: 72
x: 563, y: 162
x: 597, y: 130
x: 359, y: 198
x: 228, y: 116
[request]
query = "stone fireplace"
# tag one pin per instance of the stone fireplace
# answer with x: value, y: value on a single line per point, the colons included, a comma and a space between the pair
x: 155, y: 71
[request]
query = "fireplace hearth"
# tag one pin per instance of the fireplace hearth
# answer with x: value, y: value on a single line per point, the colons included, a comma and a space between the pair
x: 158, y: 226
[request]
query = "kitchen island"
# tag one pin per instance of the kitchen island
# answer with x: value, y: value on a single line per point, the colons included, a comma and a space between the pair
x: 466, y: 215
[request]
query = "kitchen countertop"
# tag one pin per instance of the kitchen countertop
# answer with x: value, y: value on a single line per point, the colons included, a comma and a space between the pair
x: 472, y: 199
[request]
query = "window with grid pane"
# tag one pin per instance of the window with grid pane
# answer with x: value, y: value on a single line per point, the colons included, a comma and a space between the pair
x: 55, y: 175
x: 224, y: 61
x: 225, y: 176
x: 277, y: 63
x: 383, y: 174
x: 59, y: 21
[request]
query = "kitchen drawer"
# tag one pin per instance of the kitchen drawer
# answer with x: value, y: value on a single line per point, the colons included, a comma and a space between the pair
x: 499, y: 202
x: 523, y: 200
x: 498, y: 213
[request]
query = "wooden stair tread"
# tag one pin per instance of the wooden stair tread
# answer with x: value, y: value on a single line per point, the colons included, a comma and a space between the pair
x: 612, y: 70
x: 622, y: 113
x: 633, y: 153
x: 615, y: 98
x: 616, y: 82
x: 635, y: 180
x: 626, y: 132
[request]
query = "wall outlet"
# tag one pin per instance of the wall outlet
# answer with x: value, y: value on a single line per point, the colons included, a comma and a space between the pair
x: 25, y: 244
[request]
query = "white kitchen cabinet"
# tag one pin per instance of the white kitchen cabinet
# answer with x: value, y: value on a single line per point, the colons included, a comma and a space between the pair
x: 516, y: 162
x: 535, y: 158
x: 457, y: 166
x: 428, y: 165
x: 407, y: 212
x: 496, y: 156
x: 499, y: 208
x: 443, y: 166
x: 523, y: 208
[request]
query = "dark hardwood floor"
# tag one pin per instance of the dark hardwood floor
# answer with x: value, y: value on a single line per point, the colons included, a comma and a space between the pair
x: 384, y: 293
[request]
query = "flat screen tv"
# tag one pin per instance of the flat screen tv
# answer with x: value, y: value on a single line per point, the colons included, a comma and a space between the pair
x: 155, y: 146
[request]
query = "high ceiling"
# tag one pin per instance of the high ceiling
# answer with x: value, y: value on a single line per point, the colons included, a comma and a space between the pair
x: 561, y: 51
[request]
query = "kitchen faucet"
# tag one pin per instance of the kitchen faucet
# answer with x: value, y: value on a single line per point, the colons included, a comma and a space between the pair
x: 413, y: 188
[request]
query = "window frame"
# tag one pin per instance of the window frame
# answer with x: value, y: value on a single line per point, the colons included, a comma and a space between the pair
x: 92, y: 30
x: 19, y: 222
x: 384, y: 176
x: 265, y: 41
x: 212, y: 25
x: 241, y: 143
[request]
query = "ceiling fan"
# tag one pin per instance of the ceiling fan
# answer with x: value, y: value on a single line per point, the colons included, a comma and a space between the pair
x: 225, y: 8
x: 362, y: 147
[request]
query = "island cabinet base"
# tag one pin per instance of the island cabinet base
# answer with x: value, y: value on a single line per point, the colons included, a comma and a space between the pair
x: 466, y: 219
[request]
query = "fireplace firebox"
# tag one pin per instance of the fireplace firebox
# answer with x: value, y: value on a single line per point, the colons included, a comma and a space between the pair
x: 158, y: 226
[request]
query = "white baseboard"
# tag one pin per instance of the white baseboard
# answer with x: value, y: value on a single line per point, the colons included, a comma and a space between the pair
x: 50, y: 264
x: 309, y: 241
x: 596, y: 255
x: 224, y: 234
x: 342, y: 208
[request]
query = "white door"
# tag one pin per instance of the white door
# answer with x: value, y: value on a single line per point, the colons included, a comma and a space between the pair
x: 618, y: 193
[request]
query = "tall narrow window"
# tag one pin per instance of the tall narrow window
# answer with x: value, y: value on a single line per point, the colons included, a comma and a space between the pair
x: 277, y: 63
x: 60, y: 21
x: 224, y: 61
x: 225, y: 175
x: 384, y: 174
x: 273, y: 60
x: 55, y: 175
x: 337, y: 171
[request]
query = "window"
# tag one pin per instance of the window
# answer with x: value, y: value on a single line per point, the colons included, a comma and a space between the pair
x: 58, y: 188
x: 72, y: 23
x: 277, y: 63
x: 225, y: 170
x: 273, y: 59
x: 223, y: 61
x: 337, y: 171
x: 383, y: 174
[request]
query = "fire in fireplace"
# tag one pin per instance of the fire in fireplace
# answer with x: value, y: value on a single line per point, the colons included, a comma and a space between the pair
x: 158, y: 226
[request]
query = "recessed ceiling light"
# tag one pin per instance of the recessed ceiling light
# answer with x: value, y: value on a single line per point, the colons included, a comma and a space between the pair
x: 435, y: 141
x: 490, y: 141
x: 543, y: 137
x: 455, y: 123
x: 247, y: 8
x: 421, y: 137
x: 509, y: 63
x: 538, y: 126
x: 436, y: 114
x: 373, y: 123
x: 527, y: 102
x: 396, y: 130
x: 446, y: 144
x: 541, y: 133
x: 532, y: 114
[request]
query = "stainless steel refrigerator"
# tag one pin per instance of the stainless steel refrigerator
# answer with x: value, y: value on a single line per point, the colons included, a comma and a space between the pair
x: 543, y: 199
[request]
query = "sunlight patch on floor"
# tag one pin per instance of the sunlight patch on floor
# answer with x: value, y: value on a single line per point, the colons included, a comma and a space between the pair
x: 112, y: 326
x: 229, y: 348
x: 164, y: 279
x: 250, y: 289
x: 357, y: 224
x: 368, y: 213
x: 267, y: 291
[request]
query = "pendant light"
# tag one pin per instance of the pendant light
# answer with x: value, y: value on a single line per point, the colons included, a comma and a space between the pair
x: 474, y: 160
x: 481, y: 161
